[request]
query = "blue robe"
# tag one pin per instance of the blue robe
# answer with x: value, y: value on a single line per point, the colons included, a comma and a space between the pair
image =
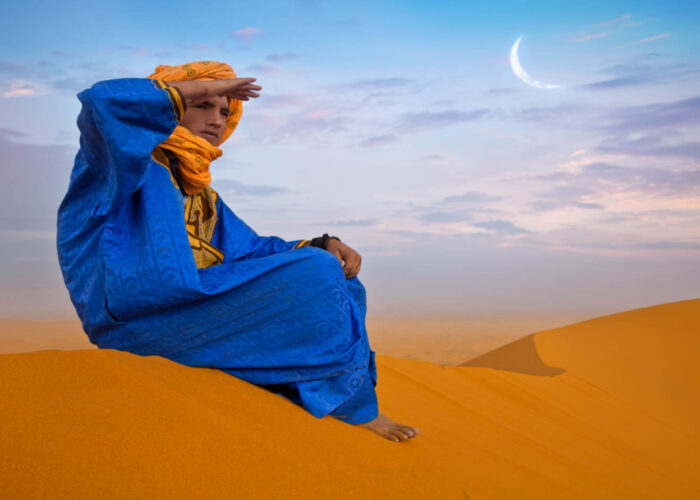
x: 283, y: 318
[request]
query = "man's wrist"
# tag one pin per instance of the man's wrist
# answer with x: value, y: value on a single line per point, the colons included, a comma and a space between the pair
x: 322, y: 241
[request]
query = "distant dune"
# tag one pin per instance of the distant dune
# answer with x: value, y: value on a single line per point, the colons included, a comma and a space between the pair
x: 606, y: 408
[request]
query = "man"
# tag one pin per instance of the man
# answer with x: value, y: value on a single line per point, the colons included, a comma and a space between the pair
x: 157, y: 264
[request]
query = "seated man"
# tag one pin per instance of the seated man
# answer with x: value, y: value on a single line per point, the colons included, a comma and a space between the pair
x: 157, y: 264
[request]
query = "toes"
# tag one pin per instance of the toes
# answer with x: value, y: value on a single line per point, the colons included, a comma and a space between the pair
x: 392, y: 437
x: 401, y: 434
x: 411, y: 431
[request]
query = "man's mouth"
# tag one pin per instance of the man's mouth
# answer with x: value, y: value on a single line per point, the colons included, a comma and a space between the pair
x: 209, y: 133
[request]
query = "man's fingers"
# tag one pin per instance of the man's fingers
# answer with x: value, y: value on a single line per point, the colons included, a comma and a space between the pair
x: 352, y: 265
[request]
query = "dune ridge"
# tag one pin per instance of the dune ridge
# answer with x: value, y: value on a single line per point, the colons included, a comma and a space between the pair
x: 606, y: 408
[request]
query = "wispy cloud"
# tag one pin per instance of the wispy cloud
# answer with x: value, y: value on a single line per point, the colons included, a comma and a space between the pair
x: 376, y: 83
x: 263, y: 69
x: 500, y: 226
x: 11, y: 133
x: 352, y: 223
x: 11, y: 67
x: 502, y: 91
x: 430, y: 120
x: 684, y: 112
x: 607, y: 178
x: 285, y: 100
x: 646, y: 40
x: 378, y: 140
x: 239, y: 189
x: 447, y: 216
x: 639, y: 73
x: 283, y: 57
x: 545, y: 113
x: 24, y: 88
x: 586, y: 38
x: 471, y: 197
x: 246, y: 34
x: 616, y: 20
x: 568, y: 196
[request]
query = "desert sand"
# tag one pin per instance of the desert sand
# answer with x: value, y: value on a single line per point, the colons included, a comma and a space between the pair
x: 605, y: 408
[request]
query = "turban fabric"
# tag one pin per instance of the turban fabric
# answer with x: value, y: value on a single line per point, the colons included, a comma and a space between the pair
x: 194, y: 153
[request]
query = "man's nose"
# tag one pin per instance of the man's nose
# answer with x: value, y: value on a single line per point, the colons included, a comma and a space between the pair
x: 215, y: 119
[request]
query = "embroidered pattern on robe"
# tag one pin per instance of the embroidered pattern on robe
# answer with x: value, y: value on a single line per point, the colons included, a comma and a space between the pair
x: 200, y: 219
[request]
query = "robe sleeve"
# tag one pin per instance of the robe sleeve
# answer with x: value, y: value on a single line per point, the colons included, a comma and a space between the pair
x: 120, y: 123
x: 238, y: 241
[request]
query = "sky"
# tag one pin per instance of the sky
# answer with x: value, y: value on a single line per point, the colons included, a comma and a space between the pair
x: 402, y: 128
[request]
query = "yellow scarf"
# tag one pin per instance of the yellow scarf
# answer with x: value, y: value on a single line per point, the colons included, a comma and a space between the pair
x: 194, y: 153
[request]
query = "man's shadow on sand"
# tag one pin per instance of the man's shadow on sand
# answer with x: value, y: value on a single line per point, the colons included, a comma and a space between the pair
x: 520, y: 356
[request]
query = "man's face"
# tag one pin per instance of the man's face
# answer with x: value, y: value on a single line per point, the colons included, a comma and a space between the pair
x: 206, y: 118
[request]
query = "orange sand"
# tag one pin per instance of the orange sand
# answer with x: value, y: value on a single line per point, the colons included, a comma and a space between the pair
x: 607, y: 408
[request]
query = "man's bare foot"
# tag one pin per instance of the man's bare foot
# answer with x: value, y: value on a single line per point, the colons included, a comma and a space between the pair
x: 389, y: 429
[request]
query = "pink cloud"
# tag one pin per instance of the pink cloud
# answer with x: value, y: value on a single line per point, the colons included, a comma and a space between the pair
x: 24, y: 88
x: 246, y: 34
x: 613, y: 21
x: 585, y: 38
x: 647, y: 40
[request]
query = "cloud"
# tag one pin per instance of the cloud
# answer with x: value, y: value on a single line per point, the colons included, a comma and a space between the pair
x: 352, y: 223
x: 683, y: 112
x: 603, y: 177
x: 11, y: 67
x: 246, y: 34
x: 286, y: 56
x: 130, y: 49
x: 303, y: 124
x: 640, y: 73
x: 430, y: 120
x: 9, y: 133
x: 652, y: 145
x: 646, y: 40
x: 585, y: 38
x: 669, y: 245
x: 24, y: 88
x: 614, y: 21
x: 500, y: 226
x: 570, y: 196
x: 502, y: 91
x: 434, y: 157
x: 263, y: 69
x: 377, y: 82
x: 447, y: 216
x: 285, y: 100
x: 471, y: 197
x: 378, y: 140
x: 546, y: 113
x: 239, y: 189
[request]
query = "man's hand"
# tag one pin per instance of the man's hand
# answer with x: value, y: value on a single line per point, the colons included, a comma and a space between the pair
x: 237, y: 88
x: 349, y: 258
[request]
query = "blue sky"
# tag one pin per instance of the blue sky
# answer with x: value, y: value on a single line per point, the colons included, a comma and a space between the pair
x: 401, y: 127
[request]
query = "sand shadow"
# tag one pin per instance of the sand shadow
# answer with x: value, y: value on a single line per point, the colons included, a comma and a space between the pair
x: 520, y: 356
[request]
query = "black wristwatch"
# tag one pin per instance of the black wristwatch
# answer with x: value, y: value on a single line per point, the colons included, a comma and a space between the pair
x: 322, y: 241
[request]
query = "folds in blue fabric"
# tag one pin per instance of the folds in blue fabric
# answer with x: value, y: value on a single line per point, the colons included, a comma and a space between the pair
x: 283, y: 318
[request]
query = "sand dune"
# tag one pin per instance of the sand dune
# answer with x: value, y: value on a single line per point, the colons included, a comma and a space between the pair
x: 607, y: 408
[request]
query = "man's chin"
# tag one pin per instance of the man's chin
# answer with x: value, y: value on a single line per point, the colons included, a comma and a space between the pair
x: 214, y: 141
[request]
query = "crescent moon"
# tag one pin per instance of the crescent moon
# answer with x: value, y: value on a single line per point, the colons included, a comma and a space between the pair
x: 520, y: 72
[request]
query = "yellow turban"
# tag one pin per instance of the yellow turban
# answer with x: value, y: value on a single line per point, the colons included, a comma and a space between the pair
x: 193, y: 152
